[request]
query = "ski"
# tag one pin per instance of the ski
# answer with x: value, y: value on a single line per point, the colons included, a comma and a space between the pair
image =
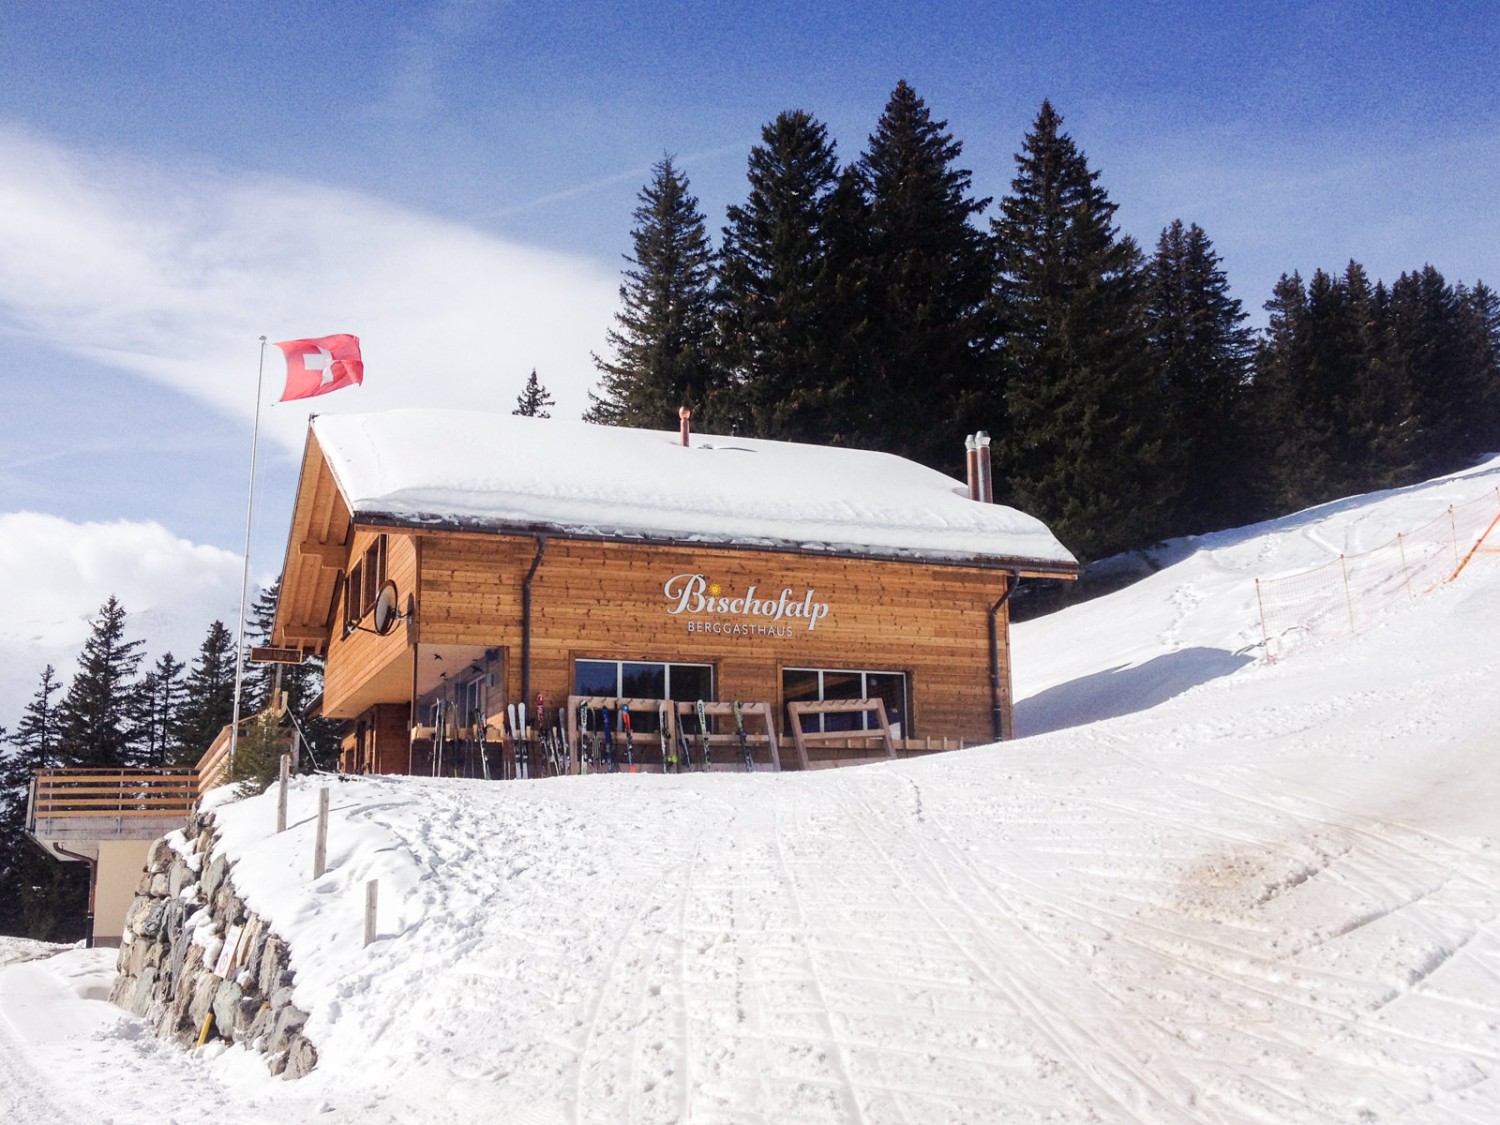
x: 564, y: 751
x: 525, y: 740
x: 483, y: 722
x: 607, y: 732
x: 703, y: 731
x: 544, y: 736
x: 684, y: 747
x: 668, y: 747
x: 515, y: 741
x: 629, y: 731
x: 585, y: 747
x: 739, y: 729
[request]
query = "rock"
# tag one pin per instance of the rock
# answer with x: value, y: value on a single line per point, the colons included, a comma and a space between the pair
x: 135, y: 912
x: 201, y: 992
x: 124, y: 985
x: 142, y: 995
x: 226, y: 1002
x: 213, y: 878
x: 160, y: 856
x: 181, y: 875
x: 151, y: 923
x: 302, y: 1056
x: 159, y: 885
x: 268, y: 977
x: 260, y: 1026
x: 289, y: 1021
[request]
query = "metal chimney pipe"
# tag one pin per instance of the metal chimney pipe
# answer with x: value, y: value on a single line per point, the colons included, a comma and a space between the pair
x: 971, y: 450
x: 683, y: 414
x: 986, y: 478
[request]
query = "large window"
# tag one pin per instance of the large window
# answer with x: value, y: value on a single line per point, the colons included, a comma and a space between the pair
x: 643, y: 679
x: 809, y: 685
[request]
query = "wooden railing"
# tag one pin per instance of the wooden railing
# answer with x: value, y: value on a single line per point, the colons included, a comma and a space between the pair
x: 115, y: 794
x: 213, y: 767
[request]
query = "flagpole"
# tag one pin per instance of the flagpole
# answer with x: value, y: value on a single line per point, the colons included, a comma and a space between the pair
x: 239, y: 647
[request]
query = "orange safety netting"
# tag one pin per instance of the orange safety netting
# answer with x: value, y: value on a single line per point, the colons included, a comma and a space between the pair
x: 1298, y: 610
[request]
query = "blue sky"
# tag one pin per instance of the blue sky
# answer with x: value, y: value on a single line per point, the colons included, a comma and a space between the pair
x: 453, y: 182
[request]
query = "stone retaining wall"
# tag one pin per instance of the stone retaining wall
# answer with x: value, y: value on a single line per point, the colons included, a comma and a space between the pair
x: 173, y: 967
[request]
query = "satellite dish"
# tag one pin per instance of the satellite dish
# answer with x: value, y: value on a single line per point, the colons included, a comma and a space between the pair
x: 386, y: 613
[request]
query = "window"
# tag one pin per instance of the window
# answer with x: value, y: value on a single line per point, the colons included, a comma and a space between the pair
x: 808, y: 685
x: 354, y: 590
x: 641, y: 679
x: 362, y: 587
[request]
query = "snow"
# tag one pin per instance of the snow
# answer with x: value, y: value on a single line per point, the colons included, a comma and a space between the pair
x: 500, y: 471
x: 1248, y: 893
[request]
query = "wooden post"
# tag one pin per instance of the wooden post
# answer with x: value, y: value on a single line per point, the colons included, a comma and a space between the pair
x: 320, y: 847
x: 372, y: 894
x: 286, y: 769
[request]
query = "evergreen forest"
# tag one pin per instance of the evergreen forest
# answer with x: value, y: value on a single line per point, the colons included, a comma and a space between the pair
x: 116, y: 714
x: 870, y: 303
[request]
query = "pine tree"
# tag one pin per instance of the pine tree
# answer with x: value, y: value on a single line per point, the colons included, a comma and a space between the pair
x: 97, y: 717
x: 40, y: 897
x: 1201, y: 354
x: 663, y: 335
x: 209, y: 695
x: 1333, y: 404
x: 777, y: 291
x: 1482, y: 330
x: 533, y: 401
x: 1441, y: 352
x: 1081, y: 448
x: 160, y: 699
x: 929, y: 273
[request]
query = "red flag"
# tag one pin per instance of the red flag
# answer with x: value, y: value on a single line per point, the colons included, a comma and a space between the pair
x: 315, y: 367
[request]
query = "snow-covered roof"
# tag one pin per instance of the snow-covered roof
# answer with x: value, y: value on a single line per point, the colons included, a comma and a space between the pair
x: 501, y: 471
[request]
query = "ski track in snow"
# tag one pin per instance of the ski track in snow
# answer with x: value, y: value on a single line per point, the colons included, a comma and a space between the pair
x: 1273, y: 898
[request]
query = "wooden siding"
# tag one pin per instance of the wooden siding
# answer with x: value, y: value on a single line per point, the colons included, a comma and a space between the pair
x: 605, y: 600
x: 363, y: 668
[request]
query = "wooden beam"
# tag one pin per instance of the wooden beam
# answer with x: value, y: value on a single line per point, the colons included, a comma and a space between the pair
x: 330, y: 556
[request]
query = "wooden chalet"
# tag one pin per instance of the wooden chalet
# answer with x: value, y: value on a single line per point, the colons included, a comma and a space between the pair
x: 447, y: 565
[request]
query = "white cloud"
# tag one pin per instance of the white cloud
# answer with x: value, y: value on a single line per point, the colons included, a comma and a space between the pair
x: 173, y: 275
x: 56, y: 574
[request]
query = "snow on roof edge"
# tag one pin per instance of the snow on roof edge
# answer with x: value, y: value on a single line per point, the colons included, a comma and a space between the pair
x: 496, y: 473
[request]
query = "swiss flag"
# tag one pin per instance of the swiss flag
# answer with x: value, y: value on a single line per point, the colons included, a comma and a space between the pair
x: 315, y: 367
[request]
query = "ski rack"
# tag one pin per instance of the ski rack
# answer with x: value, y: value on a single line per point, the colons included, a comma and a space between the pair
x: 841, y: 707
x: 675, y: 709
x: 732, y: 739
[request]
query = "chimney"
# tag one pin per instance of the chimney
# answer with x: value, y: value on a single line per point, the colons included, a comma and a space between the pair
x: 683, y: 414
x: 971, y: 450
x: 986, y: 479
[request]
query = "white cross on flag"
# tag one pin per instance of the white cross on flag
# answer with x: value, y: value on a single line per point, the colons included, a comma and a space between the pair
x: 315, y: 367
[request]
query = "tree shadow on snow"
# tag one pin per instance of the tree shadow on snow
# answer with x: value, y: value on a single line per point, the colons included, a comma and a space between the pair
x: 1123, y: 690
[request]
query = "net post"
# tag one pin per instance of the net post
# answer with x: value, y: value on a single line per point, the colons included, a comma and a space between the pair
x: 1264, y: 632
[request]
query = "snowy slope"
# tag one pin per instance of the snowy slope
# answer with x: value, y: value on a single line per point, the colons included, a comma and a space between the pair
x: 1255, y: 894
